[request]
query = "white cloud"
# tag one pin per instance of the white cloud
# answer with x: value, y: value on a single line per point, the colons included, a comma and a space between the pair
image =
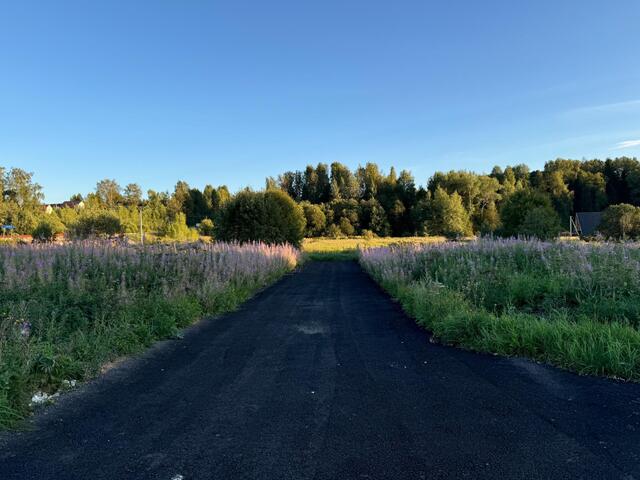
x: 630, y: 105
x: 627, y: 144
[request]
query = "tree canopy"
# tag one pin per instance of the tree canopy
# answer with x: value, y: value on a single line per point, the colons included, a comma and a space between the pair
x: 336, y: 200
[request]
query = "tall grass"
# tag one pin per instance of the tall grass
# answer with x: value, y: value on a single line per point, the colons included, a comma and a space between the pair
x: 65, y: 310
x: 323, y: 248
x: 575, y: 305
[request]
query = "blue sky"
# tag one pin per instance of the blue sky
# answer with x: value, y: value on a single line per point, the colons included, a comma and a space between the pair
x: 230, y: 92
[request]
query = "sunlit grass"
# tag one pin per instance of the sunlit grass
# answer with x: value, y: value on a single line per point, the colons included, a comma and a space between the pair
x: 572, y: 304
x: 346, y: 248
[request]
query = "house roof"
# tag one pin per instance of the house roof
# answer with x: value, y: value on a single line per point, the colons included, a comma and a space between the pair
x: 68, y: 204
x: 588, y: 222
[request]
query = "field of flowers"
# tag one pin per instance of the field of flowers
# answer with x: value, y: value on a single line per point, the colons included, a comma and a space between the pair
x: 572, y: 304
x: 65, y: 310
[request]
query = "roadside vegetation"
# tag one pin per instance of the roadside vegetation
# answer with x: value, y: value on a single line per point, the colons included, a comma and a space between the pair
x: 571, y: 304
x: 335, y: 201
x: 347, y: 248
x: 66, y: 310
x: 74, y: 299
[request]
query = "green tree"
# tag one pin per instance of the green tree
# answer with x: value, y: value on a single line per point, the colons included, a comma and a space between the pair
x: 108, y: 191
x: 129, y: 218
x: 21, y: 200
x: 618, y: 172
x: 43, y: 232
x: 292, y: 184
x: 465, y: 183
x: 346, y: 186
x: 315, y: 218
x: 270, y: 183
x: 154, y: 213
x: 22, y: 190
x: 310, y: 185
x: 339, y: 209
x: 369, y: 179
x: 621, y: 222
x: 206, y: 227
x: 180, y: 201
x: 67, y: 216
x: 47, y: 228
x: 346, y: 227
x: 374, y: 218
x: 519, y: 205
x: 447, y: 215
x: 176, y: 228
x: 96, y: 224
x: 270, y: 216
x: 323, y: 184
x: 487, y: 220
x: 132, y: 194
x: 540, y: 222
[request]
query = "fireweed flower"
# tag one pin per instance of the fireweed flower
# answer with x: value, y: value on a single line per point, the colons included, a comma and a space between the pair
x: 202, y: 270
x: 480, y: 268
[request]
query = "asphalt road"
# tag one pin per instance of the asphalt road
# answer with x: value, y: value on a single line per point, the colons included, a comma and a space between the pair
x: 322, y: 376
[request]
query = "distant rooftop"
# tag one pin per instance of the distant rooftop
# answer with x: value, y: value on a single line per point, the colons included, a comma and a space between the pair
x: 588, y: 222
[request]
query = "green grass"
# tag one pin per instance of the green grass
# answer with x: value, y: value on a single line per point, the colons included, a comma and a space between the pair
x: 576, y: 306
x: 332, y: 249
x: 65, y: 311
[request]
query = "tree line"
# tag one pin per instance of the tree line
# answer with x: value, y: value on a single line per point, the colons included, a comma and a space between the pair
x: 109, y: 210
x: 509, y: 201
x: 335, y: 201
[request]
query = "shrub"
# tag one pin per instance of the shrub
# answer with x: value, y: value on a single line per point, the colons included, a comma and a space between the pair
x: 368, y: 234
x: 620, y: 221
x: 334, y: 231
x: 206, y: 227
x: 346, y: 228
x: 540, y: 222
x: 43, y: 232
x: 96, y: 224
x: 271, y: 217
x: 177, y: 229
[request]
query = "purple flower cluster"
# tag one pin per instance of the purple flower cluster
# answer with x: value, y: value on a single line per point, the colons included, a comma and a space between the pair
x: 200, y: 269
x: 592, y: 269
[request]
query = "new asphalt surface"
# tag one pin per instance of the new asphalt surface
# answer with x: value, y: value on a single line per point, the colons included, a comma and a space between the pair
x: 321, y: 376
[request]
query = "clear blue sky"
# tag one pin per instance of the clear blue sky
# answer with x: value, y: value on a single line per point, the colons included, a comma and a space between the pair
x: 230, y: 92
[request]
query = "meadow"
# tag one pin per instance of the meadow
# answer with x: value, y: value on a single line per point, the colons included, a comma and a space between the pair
x: 571, y: 304
x: 325, y: 248
x: 66, y: 310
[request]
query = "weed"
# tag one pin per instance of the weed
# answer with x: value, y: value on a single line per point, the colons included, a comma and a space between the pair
x: 66, y: 310
x: 574, y: 305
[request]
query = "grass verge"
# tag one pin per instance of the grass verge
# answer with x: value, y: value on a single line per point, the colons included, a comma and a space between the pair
x: 340, y: 249
x: 512, y: 305
x: 585, y: 347
x: 65, y: 311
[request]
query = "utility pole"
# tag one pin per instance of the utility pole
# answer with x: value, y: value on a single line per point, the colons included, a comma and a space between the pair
x: 141, y: 229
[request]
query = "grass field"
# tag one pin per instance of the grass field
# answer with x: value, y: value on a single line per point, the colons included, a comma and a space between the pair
x: 347, y: 248
x: 65, y: 310
x: 572, y: 304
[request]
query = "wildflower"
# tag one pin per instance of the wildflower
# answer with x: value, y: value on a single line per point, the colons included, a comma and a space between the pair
x: 25, y: 329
